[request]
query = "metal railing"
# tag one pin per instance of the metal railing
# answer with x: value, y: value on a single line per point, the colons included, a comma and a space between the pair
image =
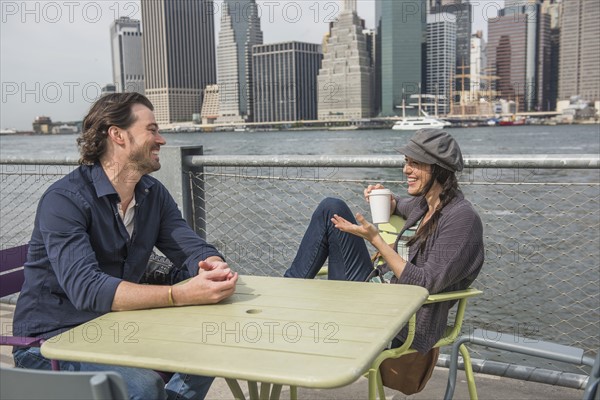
x: 541, y: 214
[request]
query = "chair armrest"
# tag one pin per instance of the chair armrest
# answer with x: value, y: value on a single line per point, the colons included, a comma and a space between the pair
x: 456, y: 295
x: 20, y: 341
x: 461, y: 295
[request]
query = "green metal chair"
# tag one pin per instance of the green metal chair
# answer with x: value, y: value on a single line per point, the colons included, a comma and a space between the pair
x: 452, y: 332
x: 389, y: 232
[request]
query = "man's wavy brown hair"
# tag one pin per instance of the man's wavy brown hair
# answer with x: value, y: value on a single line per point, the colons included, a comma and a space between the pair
x: 110, y: 110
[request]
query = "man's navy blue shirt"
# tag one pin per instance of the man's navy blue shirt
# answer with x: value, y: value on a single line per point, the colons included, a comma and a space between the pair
x: 80, y: 250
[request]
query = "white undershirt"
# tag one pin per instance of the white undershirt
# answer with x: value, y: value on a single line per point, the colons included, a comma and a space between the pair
x: 127, y: 218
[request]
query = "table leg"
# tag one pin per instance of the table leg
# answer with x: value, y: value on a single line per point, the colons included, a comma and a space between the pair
x: 253, y: 390
x: 267, y: 391
x: 235, y: 388
x: 276, y: 392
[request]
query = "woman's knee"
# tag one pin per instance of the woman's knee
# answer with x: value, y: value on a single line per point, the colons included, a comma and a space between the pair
x: 332, y: 205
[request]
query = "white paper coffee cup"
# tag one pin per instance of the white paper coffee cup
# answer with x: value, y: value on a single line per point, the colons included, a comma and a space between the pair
x: 380, y: 201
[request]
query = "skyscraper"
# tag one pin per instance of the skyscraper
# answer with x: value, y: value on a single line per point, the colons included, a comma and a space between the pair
x: 518, y: 40
x: 345, y: 77
x: 553, y: 8
x: 126, y: 52
x: 179, y: 56
x: 441, y: 59
x: 579, y: 72
x: 285, y: 81
x: 460, y: 12
x: 478, y: 65
x: 240, y: 31
x: 401, y: 35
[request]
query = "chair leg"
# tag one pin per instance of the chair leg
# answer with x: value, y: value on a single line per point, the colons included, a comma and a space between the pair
x: 469, y: 372
x: 235, y: 388
x: 380, y: 386
x: 372, y: 384
x: 293, y: 393
x: 452, y: 370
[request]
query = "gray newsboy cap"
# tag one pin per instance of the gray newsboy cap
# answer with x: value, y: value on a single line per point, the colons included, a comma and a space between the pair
x: 434, y: 146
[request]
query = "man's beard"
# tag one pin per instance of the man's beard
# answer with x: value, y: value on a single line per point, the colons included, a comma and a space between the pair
x: 141, y: 158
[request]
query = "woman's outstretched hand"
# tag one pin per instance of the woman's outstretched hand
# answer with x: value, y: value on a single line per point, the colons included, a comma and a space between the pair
x: 365, y: 230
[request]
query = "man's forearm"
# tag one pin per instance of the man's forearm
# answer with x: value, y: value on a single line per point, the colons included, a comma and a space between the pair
x: 133, y: 296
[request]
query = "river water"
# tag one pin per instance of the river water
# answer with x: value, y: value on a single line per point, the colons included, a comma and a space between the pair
x: 516, y: 285
x: 529, y: 139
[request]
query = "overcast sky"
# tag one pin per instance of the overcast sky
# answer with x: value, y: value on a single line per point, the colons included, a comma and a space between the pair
x: 55, y: 55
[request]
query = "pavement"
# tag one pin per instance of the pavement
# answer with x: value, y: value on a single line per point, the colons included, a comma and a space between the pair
x: 488, y: 386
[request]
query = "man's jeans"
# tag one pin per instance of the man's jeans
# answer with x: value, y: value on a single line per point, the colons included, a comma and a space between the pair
x: 142, y: 384
x: 348, y: 254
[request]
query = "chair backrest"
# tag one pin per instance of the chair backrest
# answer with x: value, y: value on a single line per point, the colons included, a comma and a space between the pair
x: 11, y: 269
x: 389, y: 231
x: 19, y: 383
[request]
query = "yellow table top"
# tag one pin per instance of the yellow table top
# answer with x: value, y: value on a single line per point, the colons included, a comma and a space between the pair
x: 310, y: 333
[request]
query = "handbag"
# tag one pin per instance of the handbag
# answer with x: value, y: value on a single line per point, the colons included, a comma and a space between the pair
x: 409, y: 373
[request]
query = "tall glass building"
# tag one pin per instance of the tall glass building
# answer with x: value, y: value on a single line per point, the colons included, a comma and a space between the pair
x: 579, y: 72
x: 462, y: 15
x: 285, y: 81
x: 126, y: 51
x: 240, y: 30
x: 441, y: 60
x: 518, y: 54
x: 179, y: 56
x: 401, y: 37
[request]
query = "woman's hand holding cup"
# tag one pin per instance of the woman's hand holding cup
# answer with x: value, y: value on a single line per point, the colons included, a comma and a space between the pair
x: 380, y: 200
x: 370, y: 188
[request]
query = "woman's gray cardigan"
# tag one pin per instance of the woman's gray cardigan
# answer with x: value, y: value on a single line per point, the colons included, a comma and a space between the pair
x: 451, y: 260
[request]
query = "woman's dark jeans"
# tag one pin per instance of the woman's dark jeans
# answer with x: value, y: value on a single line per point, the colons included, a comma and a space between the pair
x: 348, y: 255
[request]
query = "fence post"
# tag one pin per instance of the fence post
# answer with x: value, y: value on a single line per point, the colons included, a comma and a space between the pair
x: 188, y: 194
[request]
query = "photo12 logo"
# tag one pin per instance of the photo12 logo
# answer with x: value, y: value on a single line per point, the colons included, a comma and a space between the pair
x: 53, y: 12
x: 271, y: 332
x: 50, y: 92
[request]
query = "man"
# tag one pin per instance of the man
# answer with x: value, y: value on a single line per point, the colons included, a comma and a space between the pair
x: 94, y: 232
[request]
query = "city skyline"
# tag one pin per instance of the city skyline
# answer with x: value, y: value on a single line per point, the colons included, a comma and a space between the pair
x: 68, y: 58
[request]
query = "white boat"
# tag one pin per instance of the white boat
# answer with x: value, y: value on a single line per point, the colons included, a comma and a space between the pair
x: 419, y: 122
x: 415, y: 123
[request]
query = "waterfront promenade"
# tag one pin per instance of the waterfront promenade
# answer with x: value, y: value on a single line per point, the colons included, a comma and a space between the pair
x: 488, y: 386
x: 534, y: 207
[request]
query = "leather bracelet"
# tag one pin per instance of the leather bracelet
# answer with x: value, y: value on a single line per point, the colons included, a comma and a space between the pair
x: 171, y: 301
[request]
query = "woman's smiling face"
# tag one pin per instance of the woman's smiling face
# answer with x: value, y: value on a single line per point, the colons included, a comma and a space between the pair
x: 417, y: 174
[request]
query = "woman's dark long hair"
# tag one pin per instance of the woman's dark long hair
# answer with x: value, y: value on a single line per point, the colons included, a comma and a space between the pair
x: 450, y: 189
x: 111, y: 109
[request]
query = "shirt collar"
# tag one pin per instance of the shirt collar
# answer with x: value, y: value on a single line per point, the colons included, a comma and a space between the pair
x: 101, y: 182
x: 104, y: 187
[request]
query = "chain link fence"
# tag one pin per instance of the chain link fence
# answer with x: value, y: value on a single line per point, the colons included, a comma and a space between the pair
x: 21, y: 186
x: 541, y: 278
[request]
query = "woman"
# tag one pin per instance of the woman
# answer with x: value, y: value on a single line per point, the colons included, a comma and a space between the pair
x: 440, y: 247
